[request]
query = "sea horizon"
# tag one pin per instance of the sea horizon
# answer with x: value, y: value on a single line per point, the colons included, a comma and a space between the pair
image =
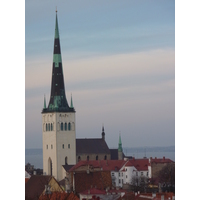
x: 34, y: 155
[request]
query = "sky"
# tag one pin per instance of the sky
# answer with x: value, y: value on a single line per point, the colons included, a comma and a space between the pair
x: 119, y: 66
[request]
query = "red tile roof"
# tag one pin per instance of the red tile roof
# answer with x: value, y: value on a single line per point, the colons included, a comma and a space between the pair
x: 139, y: 164
x: 160, y: 160
x: 106, y: 165
x: 99, y: 179
x: 93, y: 191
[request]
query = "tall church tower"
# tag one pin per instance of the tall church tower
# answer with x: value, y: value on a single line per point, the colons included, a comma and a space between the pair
x: 58, y: 121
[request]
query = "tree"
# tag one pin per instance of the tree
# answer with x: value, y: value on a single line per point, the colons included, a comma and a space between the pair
x: 166, y: 176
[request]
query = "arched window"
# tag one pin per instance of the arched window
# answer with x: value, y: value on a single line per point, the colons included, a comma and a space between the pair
x: 88, y: 158
x: 46, y: 127
x: 65, y: 126
x: 105, y: 157
x: 79, y: 158
x: 50, y: 170
x: 69, y: 126
x: 61, y: 127
x: 97, y: 157
x: 66, y: 160
x: 51, y: 127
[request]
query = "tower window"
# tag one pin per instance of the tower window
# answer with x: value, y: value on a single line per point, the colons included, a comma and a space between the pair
x: 68, y: 146
x: 65, y: 126
x: 66, y: 160
x: 46, y: 127
x: 63, y: 146
x: 69, y: 126
x: 61, y: 127
x: 47, y: 146
x: 51, y: 127
x: 51, y: 146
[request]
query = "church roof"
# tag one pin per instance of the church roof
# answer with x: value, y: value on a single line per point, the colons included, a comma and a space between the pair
x: 91, y: 146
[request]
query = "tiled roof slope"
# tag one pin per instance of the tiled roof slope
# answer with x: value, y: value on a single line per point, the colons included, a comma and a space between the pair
x: 105, y: 165
x: 35, y: 186
x: 139, y: 164
x: 60, y: 195
x: 160, y: 160
x: 84, y: 181
x: 93, y: 145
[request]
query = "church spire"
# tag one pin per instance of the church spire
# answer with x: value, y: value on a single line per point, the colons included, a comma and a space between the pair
x: 103, y: 133
x: 120, y: 144
x: 58, y: 101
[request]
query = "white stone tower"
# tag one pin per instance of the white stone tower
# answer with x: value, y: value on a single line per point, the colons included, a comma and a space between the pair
x: 58, y: 121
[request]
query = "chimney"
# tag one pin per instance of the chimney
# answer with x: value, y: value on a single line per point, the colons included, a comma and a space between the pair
x: 133, y: 158
x: 163, y: 157
x: 155, y: 157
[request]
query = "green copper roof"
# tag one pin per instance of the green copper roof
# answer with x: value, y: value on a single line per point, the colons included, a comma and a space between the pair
x: 120, y: 144
x: 56, y: 28
x: 58, y: 101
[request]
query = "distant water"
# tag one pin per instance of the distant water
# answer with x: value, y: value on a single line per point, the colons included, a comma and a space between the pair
x: 34, y: 156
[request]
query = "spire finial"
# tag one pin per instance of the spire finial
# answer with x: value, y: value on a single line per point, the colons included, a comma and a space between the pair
x: 56, y: 9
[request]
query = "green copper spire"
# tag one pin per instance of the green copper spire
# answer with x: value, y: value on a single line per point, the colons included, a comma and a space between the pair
x: 71, y: 102
x: 120, y: 144
x: 58, y: 101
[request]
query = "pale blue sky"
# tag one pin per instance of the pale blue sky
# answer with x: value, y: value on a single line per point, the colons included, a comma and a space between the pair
x: 119, y: 64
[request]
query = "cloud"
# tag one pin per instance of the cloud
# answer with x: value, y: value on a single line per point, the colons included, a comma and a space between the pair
x: 131, y: 93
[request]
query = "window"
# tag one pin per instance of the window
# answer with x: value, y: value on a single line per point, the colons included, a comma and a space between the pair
x: 47, y: 146
x: 105, y: 157
x: 66, y: 160
x: 65, y: 126
x: 141, y: 173
x: 68, y: 146
x: 46, y: 127
x: 61, y: 127
x: 63, y: 146
x: 136, y: 173
x: 88, y: 158
x: 51, y: 146
x: 96, y: 157
x: 147, y: 173
x: 113, y: 173
x: 122, y: 173
x: 119, y: 181
x: 51, y: 127
x: 69, y: 126
x: 119, y: 173
x: 126, y: 176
